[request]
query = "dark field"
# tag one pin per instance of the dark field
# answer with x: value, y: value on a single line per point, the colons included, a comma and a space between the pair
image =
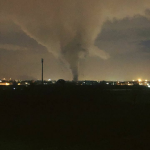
x: 74, y: 118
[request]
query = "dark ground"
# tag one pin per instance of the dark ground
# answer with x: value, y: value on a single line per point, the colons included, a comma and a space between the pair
x: 74, y: 118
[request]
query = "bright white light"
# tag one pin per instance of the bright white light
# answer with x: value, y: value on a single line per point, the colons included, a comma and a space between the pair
x: 49, y: 79
x: 107, y: 83
x: 145, y: 80
x: 149, y: 86
x: 132, y: 80
x: 14, y: 88
x: 139, y: 80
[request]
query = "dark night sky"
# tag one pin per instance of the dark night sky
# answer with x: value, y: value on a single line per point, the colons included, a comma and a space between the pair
x: 113, y: 39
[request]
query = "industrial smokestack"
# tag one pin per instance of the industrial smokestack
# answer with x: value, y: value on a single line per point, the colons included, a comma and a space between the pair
x: 42, y: 69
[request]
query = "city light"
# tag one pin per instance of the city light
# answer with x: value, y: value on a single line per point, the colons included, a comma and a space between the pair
x: 139, y: 81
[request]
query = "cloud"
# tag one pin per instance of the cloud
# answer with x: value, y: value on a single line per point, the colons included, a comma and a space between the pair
x: 68, y: 28
x: 13, y: 47
x: 13, y: 38
x: 124, y: 36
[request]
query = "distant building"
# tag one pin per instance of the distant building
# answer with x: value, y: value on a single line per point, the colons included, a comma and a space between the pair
x: 89, y: 82
x: 6, y: 83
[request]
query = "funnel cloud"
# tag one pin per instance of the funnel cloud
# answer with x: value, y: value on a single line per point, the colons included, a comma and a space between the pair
x: 68, y: 28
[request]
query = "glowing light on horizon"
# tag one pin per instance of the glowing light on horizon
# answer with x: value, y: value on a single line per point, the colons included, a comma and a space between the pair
x: 139, y: 80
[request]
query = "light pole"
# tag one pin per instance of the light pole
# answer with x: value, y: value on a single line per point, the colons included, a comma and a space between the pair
x: 42, y: 69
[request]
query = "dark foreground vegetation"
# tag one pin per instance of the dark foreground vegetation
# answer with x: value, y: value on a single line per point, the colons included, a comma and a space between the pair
x: 74, y: 118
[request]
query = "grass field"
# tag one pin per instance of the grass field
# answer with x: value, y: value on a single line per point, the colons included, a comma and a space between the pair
x: 74, y: 118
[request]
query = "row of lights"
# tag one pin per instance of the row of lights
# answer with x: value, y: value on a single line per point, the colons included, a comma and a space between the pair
x: 140, y: 80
